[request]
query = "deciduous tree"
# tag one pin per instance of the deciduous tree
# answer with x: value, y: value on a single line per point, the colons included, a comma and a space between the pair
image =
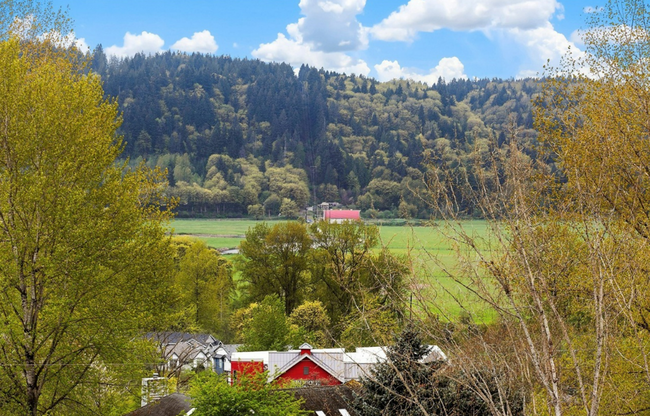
x: 263, y: 326
x: 213, y: 396
x: 274, y: 260
x: 565, y: 265
x: 81, y: 238
x: 204, y: 281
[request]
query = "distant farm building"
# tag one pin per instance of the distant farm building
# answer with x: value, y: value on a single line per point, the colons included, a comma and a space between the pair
x: 340, y: 215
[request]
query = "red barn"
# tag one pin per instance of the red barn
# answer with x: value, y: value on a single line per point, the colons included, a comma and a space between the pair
x: 340, y: 215
x: 246, y: 368
x: 315, y: 367
x: 248, y: 363
x: 307, y: 368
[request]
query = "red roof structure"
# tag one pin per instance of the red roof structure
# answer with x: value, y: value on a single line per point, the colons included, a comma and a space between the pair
x: 341, y: 214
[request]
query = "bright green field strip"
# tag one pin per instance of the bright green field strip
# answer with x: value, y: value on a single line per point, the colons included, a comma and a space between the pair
x: 212, y: 227
x: 398, y: 238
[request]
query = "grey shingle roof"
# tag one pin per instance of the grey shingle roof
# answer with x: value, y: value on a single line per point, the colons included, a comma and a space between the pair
x: 175, y: 404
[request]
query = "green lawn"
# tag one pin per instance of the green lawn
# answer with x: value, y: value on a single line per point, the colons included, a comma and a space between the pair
x: 429, y: 248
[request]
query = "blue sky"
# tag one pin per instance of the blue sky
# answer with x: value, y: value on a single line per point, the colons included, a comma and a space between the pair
x: 384, y: 39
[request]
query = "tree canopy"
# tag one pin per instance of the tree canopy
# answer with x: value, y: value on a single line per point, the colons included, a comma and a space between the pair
x: 234, y: 133
x: 83, y: 248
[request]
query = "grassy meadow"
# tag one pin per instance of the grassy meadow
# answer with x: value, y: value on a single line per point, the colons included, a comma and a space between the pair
x: 428, y: 247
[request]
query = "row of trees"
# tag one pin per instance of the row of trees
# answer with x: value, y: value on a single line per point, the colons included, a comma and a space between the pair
x: 297, y: 283
x: 325, y: 279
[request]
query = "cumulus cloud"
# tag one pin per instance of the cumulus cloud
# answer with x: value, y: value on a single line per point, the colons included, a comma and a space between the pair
x: 447, y: 68
x: 322, y: 37
x: 297, y: 53
x: 330, y: 26
x: 523, y: 22
x: 81, y: 44
x: 577, y: 37
x: 544, y: 44
x: 148, y: 43
x: 202, y: 42
x: 25, y: 28
x: 66, y: 41
x: 463, y: 15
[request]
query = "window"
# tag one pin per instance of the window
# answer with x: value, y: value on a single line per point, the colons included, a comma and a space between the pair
x: 305, y: 370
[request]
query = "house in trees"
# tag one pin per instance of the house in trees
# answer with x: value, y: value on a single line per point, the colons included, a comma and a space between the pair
x: 318, y: 369
x: 315, y: 367
x: 186, y: 351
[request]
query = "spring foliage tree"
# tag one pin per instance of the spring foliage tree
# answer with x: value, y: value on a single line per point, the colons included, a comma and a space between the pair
x: 274, y: 261
x: 204, y: 281
x: 213, y: 396
x: 82, y: 246
x: 263, y: 326
x: 567, y: 274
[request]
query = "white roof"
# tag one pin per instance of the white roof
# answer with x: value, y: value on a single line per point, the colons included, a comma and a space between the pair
x: 251, y: 356
x: 373, y: 355
x: 322, y: 350
x: 366, y: 355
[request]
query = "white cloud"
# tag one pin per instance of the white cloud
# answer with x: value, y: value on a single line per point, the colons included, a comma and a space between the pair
x: 526, y: 23
x: 447, y: 68
x: 297, y: 53
x: 66, y: 41
x: 330, y: 26
x: 202, y: 42
x: 25, y: 28
x: 322, y: 37
x: 82, y: 45
x: 577, y: 37
x: 148, y: 43
x: 543, y: 45
x: 463, y: 15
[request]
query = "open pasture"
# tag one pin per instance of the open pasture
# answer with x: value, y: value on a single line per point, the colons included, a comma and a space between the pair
x: 430, y: 249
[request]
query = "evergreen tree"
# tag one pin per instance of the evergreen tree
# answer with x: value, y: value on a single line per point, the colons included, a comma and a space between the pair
x: 401, y: 385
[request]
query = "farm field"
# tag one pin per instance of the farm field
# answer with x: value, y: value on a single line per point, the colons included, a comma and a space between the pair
x: 429, y: 248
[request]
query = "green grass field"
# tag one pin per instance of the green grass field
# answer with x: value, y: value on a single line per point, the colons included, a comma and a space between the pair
x: 428, y: 247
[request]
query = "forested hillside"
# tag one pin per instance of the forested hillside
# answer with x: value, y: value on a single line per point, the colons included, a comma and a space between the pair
x: 244, y: 136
